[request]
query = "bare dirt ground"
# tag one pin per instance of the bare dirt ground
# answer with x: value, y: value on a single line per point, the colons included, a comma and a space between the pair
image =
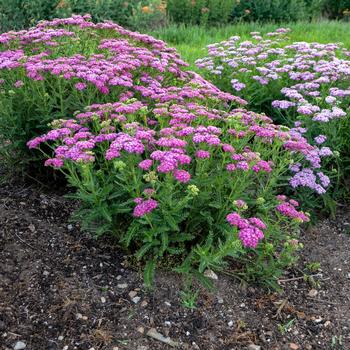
x: 61, y: 289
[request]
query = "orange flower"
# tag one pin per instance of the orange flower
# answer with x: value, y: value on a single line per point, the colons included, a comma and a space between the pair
x: 146, y: 9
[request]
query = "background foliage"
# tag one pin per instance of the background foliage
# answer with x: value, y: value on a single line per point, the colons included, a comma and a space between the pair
x: 149, y: 14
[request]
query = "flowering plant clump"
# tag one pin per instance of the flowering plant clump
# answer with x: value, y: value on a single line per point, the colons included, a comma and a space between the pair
x: 61, y: 66
x: 184, y: 179
x: 302, y: 85
x: 154, y: 156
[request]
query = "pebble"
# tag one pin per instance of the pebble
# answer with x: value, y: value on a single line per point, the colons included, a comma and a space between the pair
x: 60, y: 338
x: 293, y: 346
x: 136, y: 299
x: 141, y: 329
x: 80, y: 316
x: 70, y: 227
x: 167, y: 303
x: 254, y: 347
x: 313, y: 292
x: 142, y: 347
x: 103, y: 300
x: 211, y: 274
x: 220, y: 300
x: 349, y: 275
x: 132, y: 294
x: 230, y: 323
x: 144, y: 303
x: 327, y: 323
x: 19, y: 345
x: 122, y: 285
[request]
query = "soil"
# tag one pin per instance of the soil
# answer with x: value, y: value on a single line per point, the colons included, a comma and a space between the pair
x: 62, y: 289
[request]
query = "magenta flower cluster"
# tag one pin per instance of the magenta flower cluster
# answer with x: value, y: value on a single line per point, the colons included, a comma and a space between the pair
x: 250, y: 231
x: 288, y: 208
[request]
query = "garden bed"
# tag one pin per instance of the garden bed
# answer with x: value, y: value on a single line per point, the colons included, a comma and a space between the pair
x: 61, y: 289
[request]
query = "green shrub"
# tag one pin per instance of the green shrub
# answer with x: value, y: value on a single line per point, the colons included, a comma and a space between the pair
x: 204, y: 12
x: 275, y: 10
x: 19, y: 14
x: 336, y: 9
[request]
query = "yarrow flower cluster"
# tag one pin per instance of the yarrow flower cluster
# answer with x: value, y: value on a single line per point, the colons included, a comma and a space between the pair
x: 288, y: 208
x: 250, y: 230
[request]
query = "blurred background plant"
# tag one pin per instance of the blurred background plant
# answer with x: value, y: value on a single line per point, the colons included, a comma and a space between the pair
x: 203, y: 12
x: 150, y: 16
x: 146, y: 15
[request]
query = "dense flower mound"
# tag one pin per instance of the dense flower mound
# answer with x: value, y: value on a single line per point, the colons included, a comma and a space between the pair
x: 302, y: 85
x: 159, y: 157
x: 61, y: 66
x: 163, y: 176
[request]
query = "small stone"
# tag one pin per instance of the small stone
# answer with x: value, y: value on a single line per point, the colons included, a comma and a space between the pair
x: 142, y: 347
x: 31, y: 228
x: 220, y: 300
x: 308, y: 347
x: 211, y: 274
x: 136, y: 299
x: 144, y: 303
x: 81, y: 317
x: 60, y: 338
x: 230, y: 323
x: 70, y: 227
x: 119, y: 277
x: 46, y: 273
x: 349, y: 275
x: 19, y: 345
x: 167, y: 303
x: 122, y: 285
x: 312, y: 293
x: 167, y: 323
x: 65, y: 348
x: 115, y: 348
x: 132, y: 294
x: 103, y: 300
x: 141, y: 329
x: 293, y: 346
x: 327, y: 323
x: 254, y: 347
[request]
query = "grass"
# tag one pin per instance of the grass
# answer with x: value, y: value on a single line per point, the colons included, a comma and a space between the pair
x: 191, y: 41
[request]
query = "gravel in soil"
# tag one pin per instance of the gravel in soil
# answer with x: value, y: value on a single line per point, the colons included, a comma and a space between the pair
x: 62, y: 289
